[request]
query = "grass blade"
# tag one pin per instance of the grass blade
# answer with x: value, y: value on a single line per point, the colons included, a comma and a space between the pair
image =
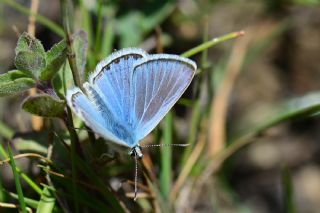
x: 211, y: 43
x: 17, y: 181
x: 287, y: 191
x: 306, y: 106
x: 25, y: 177
x: 30, y: 202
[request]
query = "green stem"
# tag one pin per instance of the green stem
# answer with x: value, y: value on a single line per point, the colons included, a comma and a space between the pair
x: 39, y: 18
x: 66, y: 13
x: 17, y: 182
x: 211, y: 43
x: 287, y: 191
x: 25, y: 177
x: 74, y: 141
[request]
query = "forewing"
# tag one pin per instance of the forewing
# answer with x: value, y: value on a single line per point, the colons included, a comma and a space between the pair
x: 112, y: 79
x: 86, y: 109
x: 158, y: 82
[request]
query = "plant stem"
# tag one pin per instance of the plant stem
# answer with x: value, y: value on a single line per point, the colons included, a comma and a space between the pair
x: 66, y: 13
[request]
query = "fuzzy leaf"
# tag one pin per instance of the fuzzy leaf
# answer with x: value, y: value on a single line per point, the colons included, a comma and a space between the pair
x: 44, y: 105
x: 56, y: 56
x: 80, y: 43
x: 12, y: 75
x: 27, y: 42
x: 30, y: 62
x: 15, y: 86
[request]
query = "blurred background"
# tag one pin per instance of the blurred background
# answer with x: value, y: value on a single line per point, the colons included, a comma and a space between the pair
x: 244, y: 85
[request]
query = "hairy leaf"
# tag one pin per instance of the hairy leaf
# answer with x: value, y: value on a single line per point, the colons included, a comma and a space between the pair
x: 44, y: 105
x: 12, y: 75
x: 27, y: 42
x: 56, y: 56
x: 16, y: 86
x: 30, y: 62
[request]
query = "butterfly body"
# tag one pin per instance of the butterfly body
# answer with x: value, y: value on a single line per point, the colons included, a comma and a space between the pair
x: 129, y: 93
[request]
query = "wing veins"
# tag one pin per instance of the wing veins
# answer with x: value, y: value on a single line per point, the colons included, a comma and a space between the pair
x: 145, y: 109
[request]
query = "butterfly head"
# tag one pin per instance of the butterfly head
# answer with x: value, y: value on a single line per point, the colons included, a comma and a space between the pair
x: 136, y: 152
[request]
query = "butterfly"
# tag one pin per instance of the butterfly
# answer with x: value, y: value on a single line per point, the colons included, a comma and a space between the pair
x: 129, y: 93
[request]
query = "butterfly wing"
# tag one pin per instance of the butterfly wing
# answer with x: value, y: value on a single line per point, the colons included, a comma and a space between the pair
x: 158, y: 82
x: 105, y: 107
x: 112, y: 77
x: 89, y: 112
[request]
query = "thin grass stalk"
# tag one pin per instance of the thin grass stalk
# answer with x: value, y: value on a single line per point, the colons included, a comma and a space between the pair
x: 3, y: 196
x: 23, y: 206
x: 25, y: 177
x: 30, y: 202
x: 219, y: 105
x: 196, y: 108
x: 211, y: 43
x: 287, y: 191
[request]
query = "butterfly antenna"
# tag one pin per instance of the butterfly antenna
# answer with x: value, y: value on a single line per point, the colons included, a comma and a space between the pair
x: 135, y: 177
x: 165, y: 145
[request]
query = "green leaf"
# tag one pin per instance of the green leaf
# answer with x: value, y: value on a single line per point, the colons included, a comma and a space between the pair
x: 30, y: 55
x: 47, y: 201
x: 27, y: 42
x: 56, y: 56
x: 12, y: 75
x: 30, y: 62
x: 15, y: 86
x: 44, y: 105
x: 80, y: 44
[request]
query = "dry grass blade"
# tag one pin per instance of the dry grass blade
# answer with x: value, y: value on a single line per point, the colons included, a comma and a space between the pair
x: 219, y: 104
x: 13, y: 206
x: 32, y: 155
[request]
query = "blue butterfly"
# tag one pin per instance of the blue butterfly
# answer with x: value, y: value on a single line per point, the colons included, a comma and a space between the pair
x: 129, y: 93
